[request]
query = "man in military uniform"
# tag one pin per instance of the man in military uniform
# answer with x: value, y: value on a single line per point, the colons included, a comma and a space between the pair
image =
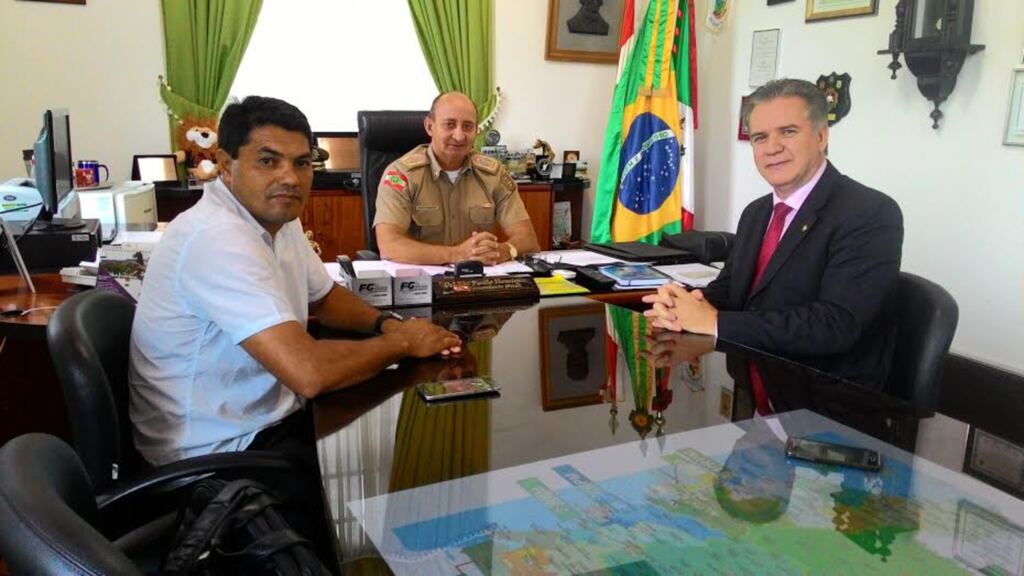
x: 442, y: 203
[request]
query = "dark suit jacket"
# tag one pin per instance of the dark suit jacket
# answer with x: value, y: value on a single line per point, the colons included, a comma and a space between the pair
x: 827, y: 294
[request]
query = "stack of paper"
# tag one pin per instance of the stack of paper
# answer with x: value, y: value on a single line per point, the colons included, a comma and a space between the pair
x: 692, y: 275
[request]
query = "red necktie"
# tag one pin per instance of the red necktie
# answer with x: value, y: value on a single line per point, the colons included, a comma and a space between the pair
x: 770, y: 242
x: 768, y: 246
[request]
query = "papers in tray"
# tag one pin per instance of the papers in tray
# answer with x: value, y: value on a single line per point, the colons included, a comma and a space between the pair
x: 693, y: 275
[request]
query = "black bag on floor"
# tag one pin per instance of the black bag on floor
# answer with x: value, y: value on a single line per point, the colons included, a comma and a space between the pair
x: 235, y: 528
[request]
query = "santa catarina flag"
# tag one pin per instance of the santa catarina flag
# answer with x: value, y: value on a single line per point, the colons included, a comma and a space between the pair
x: 645, y: 187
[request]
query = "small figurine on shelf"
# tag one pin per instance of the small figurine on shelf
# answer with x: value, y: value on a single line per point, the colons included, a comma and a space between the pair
x: 542, y: 148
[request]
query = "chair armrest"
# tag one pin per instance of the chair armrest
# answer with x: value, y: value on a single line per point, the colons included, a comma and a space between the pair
x: 367, y: 255
x: 173, y: 476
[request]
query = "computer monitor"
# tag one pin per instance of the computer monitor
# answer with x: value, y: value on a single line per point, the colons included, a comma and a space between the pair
x: 343, y: 148
x: 53, y: 173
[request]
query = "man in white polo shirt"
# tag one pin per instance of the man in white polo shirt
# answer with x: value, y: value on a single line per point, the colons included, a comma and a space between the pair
x: 220, y: 357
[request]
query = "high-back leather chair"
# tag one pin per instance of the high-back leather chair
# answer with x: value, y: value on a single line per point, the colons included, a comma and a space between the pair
x: 384, y: 136
x: 88, y: 338
x: 49, y: 514
x: 926, y: 318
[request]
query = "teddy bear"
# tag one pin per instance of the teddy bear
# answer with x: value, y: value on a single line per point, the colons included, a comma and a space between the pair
x: 197, y: 148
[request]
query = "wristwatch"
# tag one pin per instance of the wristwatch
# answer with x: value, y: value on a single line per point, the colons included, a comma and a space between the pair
x: 378, y: 325
x: 512, y: 252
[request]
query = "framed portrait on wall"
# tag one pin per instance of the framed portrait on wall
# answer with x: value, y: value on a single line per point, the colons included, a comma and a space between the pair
x: 829, y: 9
x: 572, y: 363
x: 741, y: 131
x: 583, y: 30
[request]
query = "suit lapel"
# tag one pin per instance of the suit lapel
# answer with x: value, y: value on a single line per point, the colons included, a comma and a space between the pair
x: 745, y: 253
x: 801, y: 225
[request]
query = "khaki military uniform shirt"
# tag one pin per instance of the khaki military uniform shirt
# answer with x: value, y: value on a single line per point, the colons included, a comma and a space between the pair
x: 415, y: 194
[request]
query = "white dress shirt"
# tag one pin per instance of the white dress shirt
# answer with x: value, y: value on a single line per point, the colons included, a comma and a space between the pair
x: 216, y: 278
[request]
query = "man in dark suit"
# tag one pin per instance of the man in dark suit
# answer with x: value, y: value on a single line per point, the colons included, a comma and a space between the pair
x: 813, y: 273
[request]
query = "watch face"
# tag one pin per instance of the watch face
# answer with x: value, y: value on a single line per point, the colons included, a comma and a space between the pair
x: 492, y: 137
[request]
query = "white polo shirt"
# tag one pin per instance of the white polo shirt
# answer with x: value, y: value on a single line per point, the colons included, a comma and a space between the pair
x: 216, y: 278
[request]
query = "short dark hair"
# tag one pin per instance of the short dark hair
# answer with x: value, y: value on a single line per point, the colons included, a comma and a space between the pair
x: 241, y: 118
x: 433, y: 105
x: 813, y: 97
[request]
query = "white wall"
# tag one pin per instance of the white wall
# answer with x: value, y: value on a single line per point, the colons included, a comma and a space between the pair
x: 959, y: 187
x: 100, y: 61
x: 565, y: 103
x: 961, y: 190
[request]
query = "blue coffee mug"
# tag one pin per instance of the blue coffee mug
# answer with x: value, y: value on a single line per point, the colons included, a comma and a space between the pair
x: 95, y: 167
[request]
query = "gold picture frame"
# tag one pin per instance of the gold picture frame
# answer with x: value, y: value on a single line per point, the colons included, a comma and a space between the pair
x: 830, y: 9
x: 583, y: 31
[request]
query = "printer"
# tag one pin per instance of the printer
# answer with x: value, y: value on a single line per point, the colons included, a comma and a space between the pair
x: 129, y: 203
x: 19, y: 200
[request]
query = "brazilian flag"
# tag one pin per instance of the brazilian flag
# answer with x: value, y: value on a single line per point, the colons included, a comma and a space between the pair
x: 644, y: 189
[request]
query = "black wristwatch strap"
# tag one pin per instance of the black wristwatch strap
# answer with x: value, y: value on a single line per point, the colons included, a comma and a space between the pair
x: 378, y: 325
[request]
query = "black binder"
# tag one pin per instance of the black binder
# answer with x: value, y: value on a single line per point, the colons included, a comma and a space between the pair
x: 641, y: 252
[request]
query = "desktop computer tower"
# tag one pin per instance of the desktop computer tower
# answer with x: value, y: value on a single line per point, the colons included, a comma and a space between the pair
x: 50, y: 250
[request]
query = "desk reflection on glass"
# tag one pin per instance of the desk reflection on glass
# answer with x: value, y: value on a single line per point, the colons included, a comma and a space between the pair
x: 667, y: 474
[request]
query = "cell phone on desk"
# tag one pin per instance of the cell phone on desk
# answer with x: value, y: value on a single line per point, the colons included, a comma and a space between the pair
x: 462, y: 387
x: 827, y: 453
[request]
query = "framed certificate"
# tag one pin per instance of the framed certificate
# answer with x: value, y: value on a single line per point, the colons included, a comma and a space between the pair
x: 764, y: 57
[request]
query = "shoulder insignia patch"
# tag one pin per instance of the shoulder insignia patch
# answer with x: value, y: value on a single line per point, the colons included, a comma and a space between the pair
x: 486, y: 163
x: 414, y: 160
x: 396, y: 180
x: 508, y: 183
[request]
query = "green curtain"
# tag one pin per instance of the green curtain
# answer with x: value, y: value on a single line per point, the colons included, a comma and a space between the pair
x: 204, y: 41
x: 455, y: 36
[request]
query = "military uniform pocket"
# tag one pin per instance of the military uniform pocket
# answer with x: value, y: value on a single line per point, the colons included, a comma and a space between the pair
x: 482, y: 214
x: 428, y: 219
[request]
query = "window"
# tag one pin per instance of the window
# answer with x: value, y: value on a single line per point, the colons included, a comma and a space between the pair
x: 332, y: 58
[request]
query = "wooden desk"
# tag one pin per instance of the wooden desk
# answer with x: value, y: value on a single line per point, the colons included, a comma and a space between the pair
x: 335, y: 216
x: 30, y: 396
x: 35, y: 308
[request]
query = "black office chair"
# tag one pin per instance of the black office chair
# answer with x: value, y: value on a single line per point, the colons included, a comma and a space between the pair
x: 384, y: 136
x: 926, y: 318
x: 49, y: 514
x: 88, y: 337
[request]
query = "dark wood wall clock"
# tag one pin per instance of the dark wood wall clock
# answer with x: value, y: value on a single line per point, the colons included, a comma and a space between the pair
x: 934, y: 37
